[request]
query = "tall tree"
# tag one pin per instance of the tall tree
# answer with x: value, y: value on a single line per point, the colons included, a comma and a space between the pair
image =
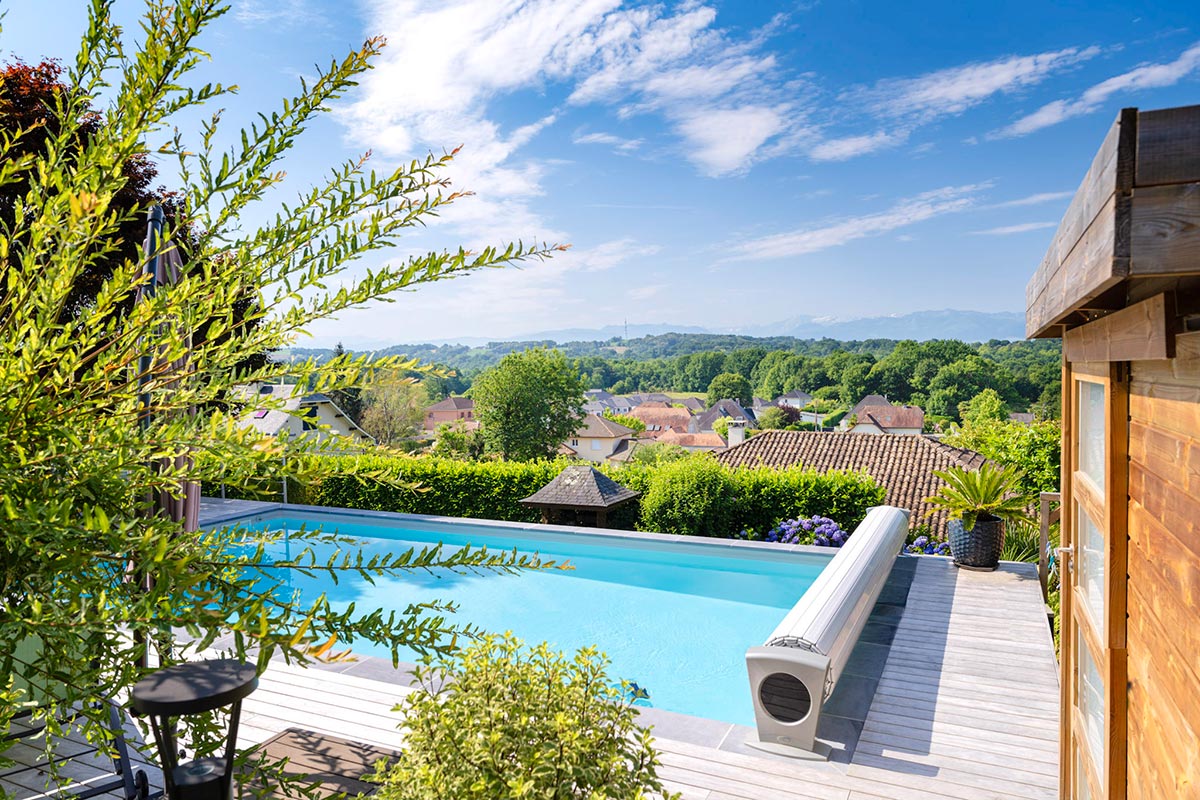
x: 394, y: 409
x: 528, y: 404
x: 350, y: 398
x: 729, y: 386
x: 43, y: 111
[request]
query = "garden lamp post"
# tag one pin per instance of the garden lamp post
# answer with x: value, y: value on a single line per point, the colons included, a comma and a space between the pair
x: 194, y: 688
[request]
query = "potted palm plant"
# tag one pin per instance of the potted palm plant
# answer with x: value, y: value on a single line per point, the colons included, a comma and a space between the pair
x: 979, y: 503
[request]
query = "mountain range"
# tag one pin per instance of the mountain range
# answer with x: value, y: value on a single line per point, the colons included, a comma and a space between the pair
x: 967, y: 326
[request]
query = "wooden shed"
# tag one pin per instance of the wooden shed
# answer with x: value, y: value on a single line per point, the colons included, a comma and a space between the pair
x: 580, y: 495
x: 1120, y: 285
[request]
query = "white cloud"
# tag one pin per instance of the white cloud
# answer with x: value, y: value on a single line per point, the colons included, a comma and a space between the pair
x: 905, y: 103
x: 955, y: 89
x: 606, y: 255
x: 497, y: 302
x: 646, y: 292
x: 726, y: 141
x: 1009, y: 230
x: 852, y: 146
x: 909, y: 211
x: 448, y: 61
x: 1033, y: 199
x: 618, y: 143
x: 1146, y: 76
x: 278, y: 12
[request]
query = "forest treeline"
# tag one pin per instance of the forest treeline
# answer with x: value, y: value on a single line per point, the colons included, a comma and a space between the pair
x: 936, y: 375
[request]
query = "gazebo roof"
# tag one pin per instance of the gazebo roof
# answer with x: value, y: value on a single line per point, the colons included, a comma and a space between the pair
x: 581, y: 487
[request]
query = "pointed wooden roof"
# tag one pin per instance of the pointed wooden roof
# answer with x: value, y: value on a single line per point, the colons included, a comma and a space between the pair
x: 580, y: 487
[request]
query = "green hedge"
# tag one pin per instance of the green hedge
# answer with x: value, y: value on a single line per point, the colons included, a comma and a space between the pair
x: 478, y: 489
x: 693, y: 496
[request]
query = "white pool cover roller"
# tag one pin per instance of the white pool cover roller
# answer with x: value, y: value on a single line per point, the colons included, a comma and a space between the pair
x: 798, y: 667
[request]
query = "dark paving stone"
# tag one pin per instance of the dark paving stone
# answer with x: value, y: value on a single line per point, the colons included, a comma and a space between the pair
x: 867, y: 660
x: 851, y: 697
x: 877, y: 633
x: 887, y: 612
x: 684, y: 728
x: 841, y: 735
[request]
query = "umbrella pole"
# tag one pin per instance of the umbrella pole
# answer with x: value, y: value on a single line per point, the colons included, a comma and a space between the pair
x: 150, y: 276
x: 145, y: 365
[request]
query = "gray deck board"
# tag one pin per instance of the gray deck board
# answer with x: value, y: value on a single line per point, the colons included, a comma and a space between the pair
x: 966, y: 708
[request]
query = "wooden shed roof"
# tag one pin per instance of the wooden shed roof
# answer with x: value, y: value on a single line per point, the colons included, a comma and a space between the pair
x: 1127, y: 238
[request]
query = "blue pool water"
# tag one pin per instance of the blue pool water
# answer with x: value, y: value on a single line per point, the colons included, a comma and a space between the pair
x: 676, y: 618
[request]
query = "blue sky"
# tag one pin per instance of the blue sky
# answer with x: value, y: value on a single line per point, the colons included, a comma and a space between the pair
x: 722, y: 164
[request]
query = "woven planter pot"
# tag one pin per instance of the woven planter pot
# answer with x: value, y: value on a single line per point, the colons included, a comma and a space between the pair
x: 981, y: 546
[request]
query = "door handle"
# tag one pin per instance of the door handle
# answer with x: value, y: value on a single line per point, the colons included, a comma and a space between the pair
x: 1065, y: 555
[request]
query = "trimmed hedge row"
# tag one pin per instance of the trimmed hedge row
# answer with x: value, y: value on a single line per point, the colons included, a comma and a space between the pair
x: 694, y: 496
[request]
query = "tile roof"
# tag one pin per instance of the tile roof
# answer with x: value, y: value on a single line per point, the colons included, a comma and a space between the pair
x: 889, y: 417
x: 903, y: 465
x: 596, y: 427
x: 723, y: 408
x: 624, y: 450
x: 659, y: 419
x: 581, y: 487
x: 453, y: 404
x: 870, y: 400
x: 710, y: 439
x: 653, y: 397
x: 268, y: 422
x: 272, y: 421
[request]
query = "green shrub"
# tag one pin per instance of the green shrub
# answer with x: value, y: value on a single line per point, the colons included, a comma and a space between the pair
x: 768, y: 495
x: 833, y: 419
x: 500, y: 721
x: 1034, y: 449
x: 694, y: 496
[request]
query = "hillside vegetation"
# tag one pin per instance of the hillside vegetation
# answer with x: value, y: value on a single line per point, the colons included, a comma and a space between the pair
x: 937, y: 375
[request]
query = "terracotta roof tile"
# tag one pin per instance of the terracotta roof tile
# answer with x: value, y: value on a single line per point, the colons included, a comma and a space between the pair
x: 903, y: 465
x: 709, y: 439
x: 870, y: 400
x: 453, y: 404
x: 662, y: 419
x: 889, y: 417
x: 597, y: 427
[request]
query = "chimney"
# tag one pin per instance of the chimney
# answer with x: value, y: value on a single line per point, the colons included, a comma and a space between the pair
x: 736, y: 433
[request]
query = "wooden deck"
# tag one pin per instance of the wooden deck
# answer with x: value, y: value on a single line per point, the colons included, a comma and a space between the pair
x: 966, y: 708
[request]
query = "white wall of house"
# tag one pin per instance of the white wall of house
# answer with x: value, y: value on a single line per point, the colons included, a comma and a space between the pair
x: 339, y: 425
x: 867, y: 427
x: 596, y: 449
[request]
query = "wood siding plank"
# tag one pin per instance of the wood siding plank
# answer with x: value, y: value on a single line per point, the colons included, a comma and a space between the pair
x: 1089, y: 251
x: 1164, y: 576
x: 1164, y: 230
x: 1138, y: 332
x: 1168, y: 146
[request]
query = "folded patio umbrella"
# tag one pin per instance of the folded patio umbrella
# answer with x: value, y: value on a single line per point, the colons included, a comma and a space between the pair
x: 162, y: 270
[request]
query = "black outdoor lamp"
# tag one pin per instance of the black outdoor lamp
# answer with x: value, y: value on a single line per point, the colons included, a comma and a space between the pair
x: 194, y: 688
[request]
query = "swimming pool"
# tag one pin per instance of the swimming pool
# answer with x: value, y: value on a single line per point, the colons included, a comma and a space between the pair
x: 674, y: 615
